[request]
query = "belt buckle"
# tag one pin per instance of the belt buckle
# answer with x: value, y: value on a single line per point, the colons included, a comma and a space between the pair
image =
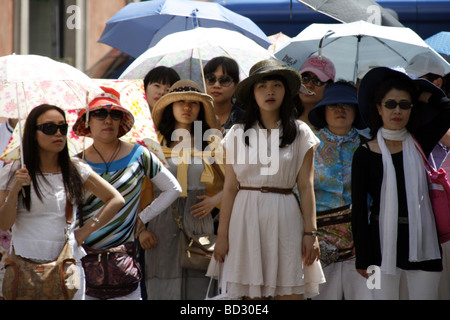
x: 264, y: 190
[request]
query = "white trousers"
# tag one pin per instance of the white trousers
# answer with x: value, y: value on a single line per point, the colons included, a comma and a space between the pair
x: 343, y: 282
x: 408, y: 285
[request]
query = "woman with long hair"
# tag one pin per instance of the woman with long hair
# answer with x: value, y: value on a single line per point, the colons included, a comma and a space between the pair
x: 266, y: 239
x: 33, y: 198
x: 184, y: 120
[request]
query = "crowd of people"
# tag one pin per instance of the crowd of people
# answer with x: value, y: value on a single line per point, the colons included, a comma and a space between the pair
x: 312, y: 181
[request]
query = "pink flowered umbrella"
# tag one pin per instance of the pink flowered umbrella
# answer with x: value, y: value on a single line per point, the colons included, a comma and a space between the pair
x: 132, y: 97
x: 27, y: 81
x: 277, y: 40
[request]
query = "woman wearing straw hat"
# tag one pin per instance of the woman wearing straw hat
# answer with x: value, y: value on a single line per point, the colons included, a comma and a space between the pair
x: 123, y: 165
x: 401, y: 236
x: 183, y: 119
x: 338, y: 119
x: 268, y: 243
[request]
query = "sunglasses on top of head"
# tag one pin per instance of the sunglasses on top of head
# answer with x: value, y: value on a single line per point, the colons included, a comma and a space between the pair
x: 392, y: 104
x: 102, y: 114
x: 224, y: 81
x: 50, y: 129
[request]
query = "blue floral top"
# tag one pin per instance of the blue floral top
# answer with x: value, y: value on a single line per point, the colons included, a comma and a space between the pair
x: 332, y: 168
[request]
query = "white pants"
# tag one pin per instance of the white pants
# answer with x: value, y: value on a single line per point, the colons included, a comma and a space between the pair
x: 343, y: 282
x: 444, y: 285
x: 408, y: 285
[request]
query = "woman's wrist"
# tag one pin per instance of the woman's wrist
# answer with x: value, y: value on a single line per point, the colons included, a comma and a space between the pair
x: 10, y: 202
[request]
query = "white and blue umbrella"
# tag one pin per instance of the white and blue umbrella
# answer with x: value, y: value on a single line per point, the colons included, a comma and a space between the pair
x: 139, y: 26
x: 440, y: 42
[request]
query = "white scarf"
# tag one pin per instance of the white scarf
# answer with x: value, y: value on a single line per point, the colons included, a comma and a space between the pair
x: 423, y: 240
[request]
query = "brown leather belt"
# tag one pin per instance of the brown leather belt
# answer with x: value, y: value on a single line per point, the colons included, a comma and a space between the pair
x: 268, y: 190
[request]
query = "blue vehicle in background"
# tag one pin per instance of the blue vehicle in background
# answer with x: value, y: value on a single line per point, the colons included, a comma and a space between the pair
x: 425, y: 17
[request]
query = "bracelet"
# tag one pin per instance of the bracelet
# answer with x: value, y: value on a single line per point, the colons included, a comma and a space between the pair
x: 312, y: 233
x: 11, y: 203
x: 95, y: 219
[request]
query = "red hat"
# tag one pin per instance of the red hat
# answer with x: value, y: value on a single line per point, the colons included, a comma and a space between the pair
x: 322, y: 67
x: 109, y: 97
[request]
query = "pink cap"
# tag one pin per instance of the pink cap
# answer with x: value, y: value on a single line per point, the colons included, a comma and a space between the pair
x: 322, y: 67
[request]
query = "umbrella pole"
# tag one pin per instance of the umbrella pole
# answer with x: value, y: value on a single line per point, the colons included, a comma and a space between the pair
x: 20, y: 135
x: 20, y: 129
x: 201, y: 70
x: 356, y: 67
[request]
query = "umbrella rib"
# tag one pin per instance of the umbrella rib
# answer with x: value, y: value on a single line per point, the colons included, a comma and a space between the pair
x: 390, y: 48
x: 376, y: 38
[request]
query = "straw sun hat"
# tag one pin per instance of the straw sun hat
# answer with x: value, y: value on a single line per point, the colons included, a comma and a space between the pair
x: 109, y: 97
x: 263, y: 69
x: 185, y: 90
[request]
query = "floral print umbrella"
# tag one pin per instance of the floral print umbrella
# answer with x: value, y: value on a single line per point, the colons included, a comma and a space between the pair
x: 132, y: 96
x: 27, y: 81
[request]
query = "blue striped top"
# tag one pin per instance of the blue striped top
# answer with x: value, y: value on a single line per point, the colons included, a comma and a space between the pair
x: 126, y: 175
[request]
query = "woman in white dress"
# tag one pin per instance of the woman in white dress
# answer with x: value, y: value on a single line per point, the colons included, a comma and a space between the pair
x: 267, y: 241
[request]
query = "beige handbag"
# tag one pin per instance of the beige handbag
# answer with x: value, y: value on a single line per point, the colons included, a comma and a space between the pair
x: 55, y: 280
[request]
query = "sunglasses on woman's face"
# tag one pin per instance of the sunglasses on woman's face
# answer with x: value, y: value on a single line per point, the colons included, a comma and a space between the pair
x: 315, y: 81
x: 224, y: 81
x: 392, y: 104
x: 51, y: 128
x: 102, y: 114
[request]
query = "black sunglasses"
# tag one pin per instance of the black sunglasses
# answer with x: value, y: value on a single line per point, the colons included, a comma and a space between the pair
x: 392, y: 104
x: 315, y: 81
x: 102, y: 114
x: 225, y: 80
x: 51, y: 128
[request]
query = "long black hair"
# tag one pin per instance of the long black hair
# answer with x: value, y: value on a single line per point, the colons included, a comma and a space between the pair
x: 252, y: 115
x: 167, y: 124
x: 71, y: 177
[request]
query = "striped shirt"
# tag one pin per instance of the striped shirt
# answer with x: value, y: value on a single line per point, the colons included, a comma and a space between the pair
x: 126, y: 175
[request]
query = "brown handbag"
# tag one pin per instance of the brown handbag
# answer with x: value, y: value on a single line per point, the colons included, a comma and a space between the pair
x: 196, y: 251
x: 55, y: 280
x: 111, y: 272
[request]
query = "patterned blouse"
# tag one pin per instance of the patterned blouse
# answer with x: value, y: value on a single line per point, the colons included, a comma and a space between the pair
x: 126, y: 175
x: 332, y: 168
